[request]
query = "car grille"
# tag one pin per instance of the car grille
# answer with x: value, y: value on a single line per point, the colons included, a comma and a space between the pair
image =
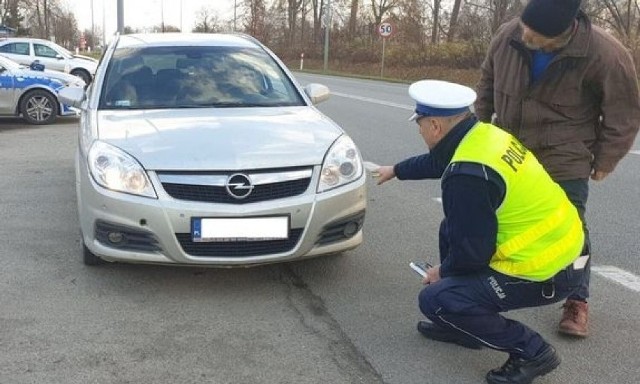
x: 238, y: 248
x: 211, y: 187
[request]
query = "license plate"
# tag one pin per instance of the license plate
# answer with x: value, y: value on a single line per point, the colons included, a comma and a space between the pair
x: 240, y: 229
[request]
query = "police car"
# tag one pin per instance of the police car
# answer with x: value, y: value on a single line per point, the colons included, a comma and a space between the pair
x: 33, y: 94
x: 26, y: 50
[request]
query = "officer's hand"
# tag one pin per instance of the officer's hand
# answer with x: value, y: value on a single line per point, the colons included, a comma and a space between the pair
x: 433, y: 275
x: 385, y: 173
x: 599, y: 175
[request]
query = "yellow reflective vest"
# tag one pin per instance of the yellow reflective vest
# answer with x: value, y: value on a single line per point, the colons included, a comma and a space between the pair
x: 539, y: 230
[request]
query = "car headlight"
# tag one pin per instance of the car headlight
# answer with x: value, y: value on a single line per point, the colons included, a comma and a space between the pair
x: 118, y: 171
x: 342, y: 165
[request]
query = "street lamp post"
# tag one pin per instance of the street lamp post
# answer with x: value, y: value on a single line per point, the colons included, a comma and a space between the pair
x: 327, y: 26
x: 235, y: 7
x: 121, y: 16
x: 104, y: 26
x: 93, y: 27
x: 162, y: 15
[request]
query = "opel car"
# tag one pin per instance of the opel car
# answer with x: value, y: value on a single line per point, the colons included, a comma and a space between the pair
x: 202, y: 149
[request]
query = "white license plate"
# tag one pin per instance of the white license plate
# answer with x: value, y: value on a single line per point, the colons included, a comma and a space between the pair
x: 240, y: 229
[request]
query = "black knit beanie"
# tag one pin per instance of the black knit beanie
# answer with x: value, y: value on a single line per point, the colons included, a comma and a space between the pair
x: 550, y: 17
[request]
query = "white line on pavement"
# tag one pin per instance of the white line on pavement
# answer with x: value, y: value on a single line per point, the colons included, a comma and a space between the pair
x: 375, y: 101
x: 618, y: 275
x: 635, y: 152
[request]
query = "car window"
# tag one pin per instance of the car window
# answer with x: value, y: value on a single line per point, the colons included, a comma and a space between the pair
x: 16, y: 48
x: 44, y: 51
x: 196, y: 77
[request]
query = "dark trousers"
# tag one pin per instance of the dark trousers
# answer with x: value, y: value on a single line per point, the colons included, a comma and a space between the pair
x: 578, y: 192
x: 472, y: 305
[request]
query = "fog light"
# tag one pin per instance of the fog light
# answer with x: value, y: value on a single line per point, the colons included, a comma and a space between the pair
x: 115, y: 237
x: 350, y: 229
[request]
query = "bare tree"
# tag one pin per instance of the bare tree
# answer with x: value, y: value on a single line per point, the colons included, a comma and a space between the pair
x: 453, y: 22
x: 436, y: 21
x: 255, y: 19
x: 381, y: 8
x: 353, y: 17
x: 206, y: 21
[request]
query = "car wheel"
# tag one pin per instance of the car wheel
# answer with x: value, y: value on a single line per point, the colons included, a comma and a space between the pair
x: 84, y: 75
x: 39, y: 107
x: 89, y: 258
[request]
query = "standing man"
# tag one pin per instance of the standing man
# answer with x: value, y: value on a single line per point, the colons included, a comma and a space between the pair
x: 568, y: 91
x: 501, y: 247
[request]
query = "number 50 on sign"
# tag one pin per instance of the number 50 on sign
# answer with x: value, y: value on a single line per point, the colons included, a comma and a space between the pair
x: 385, y: 29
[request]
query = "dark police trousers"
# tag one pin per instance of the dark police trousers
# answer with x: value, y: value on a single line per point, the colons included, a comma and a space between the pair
x: 472, y: 304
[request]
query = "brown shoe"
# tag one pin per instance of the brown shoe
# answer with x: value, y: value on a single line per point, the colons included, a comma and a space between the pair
x: 575, y: 318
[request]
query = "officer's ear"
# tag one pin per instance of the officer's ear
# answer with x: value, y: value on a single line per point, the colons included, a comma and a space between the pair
x: 437, y: 125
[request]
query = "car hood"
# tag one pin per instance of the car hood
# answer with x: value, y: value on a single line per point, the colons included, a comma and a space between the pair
x: 87, y: 58
x: 220, y: 139
x: 64, y: 77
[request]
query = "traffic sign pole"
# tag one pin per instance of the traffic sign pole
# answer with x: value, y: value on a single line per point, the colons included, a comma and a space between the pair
x: 385, y: 30
x: 384, y: 39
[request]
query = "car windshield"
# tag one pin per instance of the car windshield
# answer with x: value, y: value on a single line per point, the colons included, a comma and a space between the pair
x: 195, y: 77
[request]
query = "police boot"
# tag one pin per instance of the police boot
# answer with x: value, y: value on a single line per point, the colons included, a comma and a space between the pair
x: 575, y: 318
x: 435, y: 332
x: 522, y: 371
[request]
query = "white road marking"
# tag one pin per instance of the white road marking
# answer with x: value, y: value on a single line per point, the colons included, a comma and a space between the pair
x: 618, y: 275
x: 375, y: 101
x: 635, y: 152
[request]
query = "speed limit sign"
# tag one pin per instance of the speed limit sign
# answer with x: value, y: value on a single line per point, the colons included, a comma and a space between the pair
x: 385, y: 29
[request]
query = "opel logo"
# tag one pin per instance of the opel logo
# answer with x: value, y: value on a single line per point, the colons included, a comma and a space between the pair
x: 239, y: 186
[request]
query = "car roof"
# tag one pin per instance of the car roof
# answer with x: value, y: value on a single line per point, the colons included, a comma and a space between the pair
x: 22, y: 39
x: 186, y: 39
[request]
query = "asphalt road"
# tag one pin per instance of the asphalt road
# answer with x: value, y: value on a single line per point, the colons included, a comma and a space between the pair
x: 338, y: 319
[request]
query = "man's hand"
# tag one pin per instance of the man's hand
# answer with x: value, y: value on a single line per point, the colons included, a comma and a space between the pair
x: 598, y: 175
x: 386, y: 173
x: 433, y: 275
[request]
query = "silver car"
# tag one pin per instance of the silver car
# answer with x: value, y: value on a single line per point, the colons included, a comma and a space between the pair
x: 33, y: 94
x: 26, y: 50
x: 203, y: 150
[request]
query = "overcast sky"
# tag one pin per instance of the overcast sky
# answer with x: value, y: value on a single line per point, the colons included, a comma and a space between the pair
x: 145, y: 13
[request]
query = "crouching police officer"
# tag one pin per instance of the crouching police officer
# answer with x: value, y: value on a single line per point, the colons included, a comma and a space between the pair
x: 510, y: 237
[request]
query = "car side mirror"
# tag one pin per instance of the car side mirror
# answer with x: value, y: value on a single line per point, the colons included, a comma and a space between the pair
x: 36, y: 66
x: 317, y: 93
x: 72, y: 96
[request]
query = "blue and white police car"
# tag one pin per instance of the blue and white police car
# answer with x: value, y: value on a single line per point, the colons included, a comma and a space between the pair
x: 33, y: 94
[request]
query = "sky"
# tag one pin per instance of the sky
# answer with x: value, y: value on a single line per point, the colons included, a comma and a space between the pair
x: 145, y: 13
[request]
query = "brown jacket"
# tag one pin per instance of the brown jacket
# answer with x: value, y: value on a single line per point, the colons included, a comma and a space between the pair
x: 584, y: 111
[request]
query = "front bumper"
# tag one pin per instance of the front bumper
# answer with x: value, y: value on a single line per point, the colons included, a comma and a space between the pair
x: 320, y: 224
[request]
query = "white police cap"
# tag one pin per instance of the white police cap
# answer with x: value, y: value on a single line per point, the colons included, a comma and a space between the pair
x: 440, y: 98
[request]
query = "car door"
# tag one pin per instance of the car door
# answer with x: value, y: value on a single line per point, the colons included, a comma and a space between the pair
x: 51, y: 58
x: 18, y: 52
x: 7, y: 92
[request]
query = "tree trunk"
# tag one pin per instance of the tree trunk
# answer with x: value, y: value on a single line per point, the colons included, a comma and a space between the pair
x: 436, y: 21
x: 353, y: 17
x: 453, y: 23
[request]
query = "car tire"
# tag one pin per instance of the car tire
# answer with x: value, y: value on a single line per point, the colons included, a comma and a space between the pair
x: 88, y: 258
x: 39, y: 107
x: 84, y: 75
